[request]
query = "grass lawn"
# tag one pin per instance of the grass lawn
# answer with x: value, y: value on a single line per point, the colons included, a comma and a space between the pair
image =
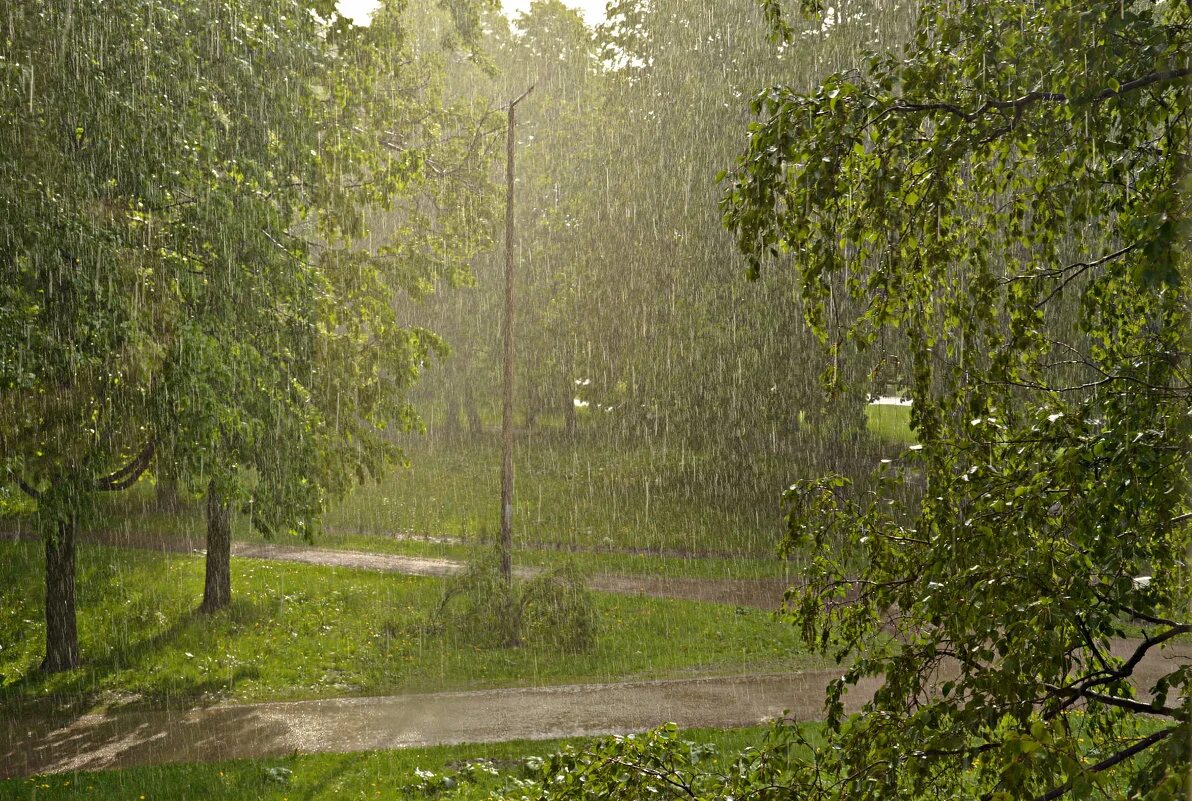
x: 636, y: 510
x: 300, y: 631
x: 375, y: 775
x: 581, y: 494
x: 891, y: 423
x: 572, y: 495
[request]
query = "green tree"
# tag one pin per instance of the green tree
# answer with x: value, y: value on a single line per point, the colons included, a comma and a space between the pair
x: 182, y: 275
x: 1015, y: 163
x: 285, y: 417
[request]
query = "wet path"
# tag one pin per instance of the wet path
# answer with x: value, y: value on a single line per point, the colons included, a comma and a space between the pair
x: 125, y: 739
x: 99, y: 742
x: 760, y: 593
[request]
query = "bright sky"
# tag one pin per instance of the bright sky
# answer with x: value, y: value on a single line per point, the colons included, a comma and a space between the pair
x: 593, y: 10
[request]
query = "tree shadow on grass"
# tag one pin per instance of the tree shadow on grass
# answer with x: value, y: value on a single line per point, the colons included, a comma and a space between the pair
x: 86, y: 687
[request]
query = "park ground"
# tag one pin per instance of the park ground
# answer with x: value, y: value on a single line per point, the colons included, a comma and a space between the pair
x: 644, y: 527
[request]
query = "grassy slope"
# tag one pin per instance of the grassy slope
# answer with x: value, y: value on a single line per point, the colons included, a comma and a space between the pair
x: 376, y: 775
x: 298, y: 631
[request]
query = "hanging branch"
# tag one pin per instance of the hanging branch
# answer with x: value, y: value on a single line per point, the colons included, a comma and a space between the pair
x: 126, y: 476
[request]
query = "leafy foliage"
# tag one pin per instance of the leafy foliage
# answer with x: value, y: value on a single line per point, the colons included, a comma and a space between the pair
x: 551, y: 609
x: 1008, y: 195
x: 557, y: 610
x: 661, y: 763
x: 184, y: 277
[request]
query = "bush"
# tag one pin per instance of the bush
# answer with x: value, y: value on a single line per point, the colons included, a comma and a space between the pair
x: 557, y: 610
x: 554, y: 609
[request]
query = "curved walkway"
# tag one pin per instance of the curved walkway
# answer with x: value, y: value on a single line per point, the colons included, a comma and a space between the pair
x: 760, y: 593
x: 117, y: 740
x: 125, y: 739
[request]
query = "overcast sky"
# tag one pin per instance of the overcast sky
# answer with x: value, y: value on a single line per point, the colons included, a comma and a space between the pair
x: 593, y: 10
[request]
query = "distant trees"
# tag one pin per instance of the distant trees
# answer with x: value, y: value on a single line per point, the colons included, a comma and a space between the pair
x: 628, y: 281
x: 707, y: 357
x: 548, y: 48
x: 183, y: 278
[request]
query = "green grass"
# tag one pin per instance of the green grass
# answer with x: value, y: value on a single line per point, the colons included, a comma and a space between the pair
x: 582, y: 494
x: 300, y: 631
x: 374, y: 775
x: 571, y: 494
x: 891, y: 424
x: 608, y: 508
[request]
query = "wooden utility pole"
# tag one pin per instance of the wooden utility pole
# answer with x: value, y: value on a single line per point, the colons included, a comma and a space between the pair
x: 507, y: 330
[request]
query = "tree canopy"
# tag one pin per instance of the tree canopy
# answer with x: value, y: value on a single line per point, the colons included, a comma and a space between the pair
x: 1008, y: 194
x: 186, y: 273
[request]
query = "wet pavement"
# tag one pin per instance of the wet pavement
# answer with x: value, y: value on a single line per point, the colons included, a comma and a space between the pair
x: 118, y: 739
x: 127, y: 739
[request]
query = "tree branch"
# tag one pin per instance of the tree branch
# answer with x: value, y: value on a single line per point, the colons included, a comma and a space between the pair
x: 657, y: 774
x: 126, y: 476
x: 1106, y: 764
x: 1092, y: 646
x: 1127, y: 668
x: 1083, y: 268
x: 1137, y: 706
x: 1030, y: 98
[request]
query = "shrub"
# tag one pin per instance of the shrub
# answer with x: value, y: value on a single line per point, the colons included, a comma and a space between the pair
x: 557, y: 610
x: 554, y: 609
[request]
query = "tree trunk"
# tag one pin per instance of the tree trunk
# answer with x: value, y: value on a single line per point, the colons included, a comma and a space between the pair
x: 167, y: 498
x: 62, y: 634
x: 217, y: 590
x: 474, y: 426
x: 569, y: 420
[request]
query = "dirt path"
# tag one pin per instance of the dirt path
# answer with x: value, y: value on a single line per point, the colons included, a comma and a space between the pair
x: 100, y: 742
x: 543, y: 545
x: 760, y: 593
